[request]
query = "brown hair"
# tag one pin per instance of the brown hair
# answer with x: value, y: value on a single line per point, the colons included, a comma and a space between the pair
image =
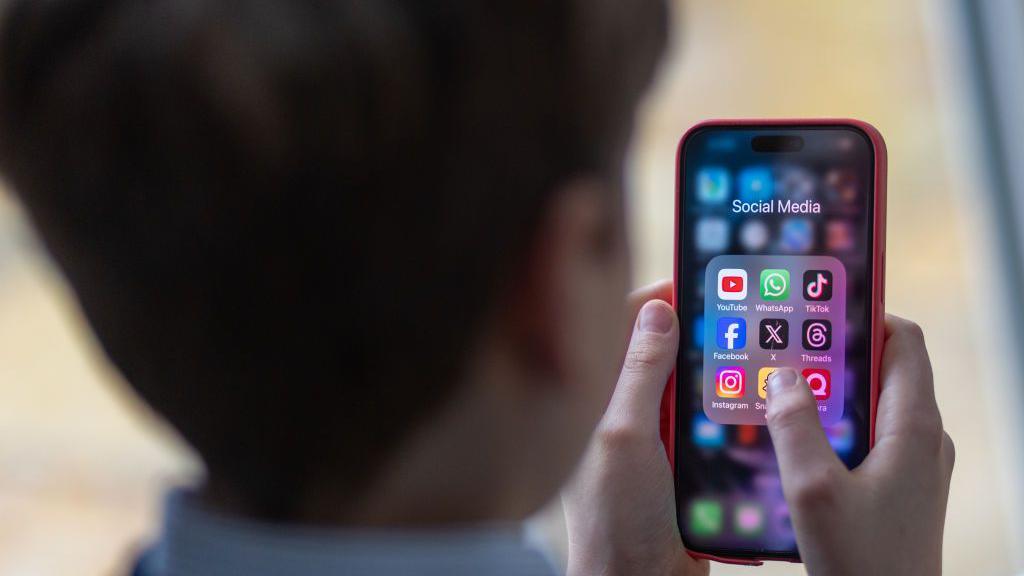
x: 285, y: 220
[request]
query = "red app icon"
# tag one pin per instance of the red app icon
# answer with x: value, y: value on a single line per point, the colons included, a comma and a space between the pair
x: 820, y: 381
x: 732, y: 284
x: 839, y: 236
x: 746, y: 434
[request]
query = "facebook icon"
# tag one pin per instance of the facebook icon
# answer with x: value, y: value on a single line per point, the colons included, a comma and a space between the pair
x: 732, y: 333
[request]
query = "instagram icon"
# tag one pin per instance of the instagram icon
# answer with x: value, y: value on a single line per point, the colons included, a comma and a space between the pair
x: 730, y: 382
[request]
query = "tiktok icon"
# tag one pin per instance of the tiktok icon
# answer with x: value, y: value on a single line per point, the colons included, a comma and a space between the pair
x: 818, y: 285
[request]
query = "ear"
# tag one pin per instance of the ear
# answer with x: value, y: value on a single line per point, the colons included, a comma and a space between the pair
x: 572, y: 269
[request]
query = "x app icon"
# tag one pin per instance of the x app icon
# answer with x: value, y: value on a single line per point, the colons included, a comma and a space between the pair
x: 774, y: 334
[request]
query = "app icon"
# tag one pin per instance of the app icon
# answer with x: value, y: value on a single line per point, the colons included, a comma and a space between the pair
x: 818, y: 285
x: 754, y: 235
x: 698, y: 332
x: 732, y: 284
x: 817, y: 334
x: 712, y: 235
x: 762, y: 381
x: 746, y: 434
x: 707, y: 434
x: 795, y: 183
x: 774, y: 334
x: 713, y: 185
x: 756, y: 184
x: 839, y: 236
x: 705, y: 517
x: 774, y: 284
x: 732, y: 333
x: 820, y: 382
x: 796, y: 235
x: 730, y: 382
x: 841, y: 187
x: 748, y: 519
x: 840, y: 436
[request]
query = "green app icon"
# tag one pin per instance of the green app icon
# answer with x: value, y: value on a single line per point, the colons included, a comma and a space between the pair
x: 774, y: 284
x: 705, y: 517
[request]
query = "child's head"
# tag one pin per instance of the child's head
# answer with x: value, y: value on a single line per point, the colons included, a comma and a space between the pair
x: 309, y: 233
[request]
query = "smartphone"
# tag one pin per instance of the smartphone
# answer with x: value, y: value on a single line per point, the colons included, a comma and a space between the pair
x: 780, y: 260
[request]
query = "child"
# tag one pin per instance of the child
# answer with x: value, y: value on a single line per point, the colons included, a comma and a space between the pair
x: 369, y: 259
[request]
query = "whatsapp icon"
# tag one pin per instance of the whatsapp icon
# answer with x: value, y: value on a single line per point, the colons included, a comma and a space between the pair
x: 774, y: 284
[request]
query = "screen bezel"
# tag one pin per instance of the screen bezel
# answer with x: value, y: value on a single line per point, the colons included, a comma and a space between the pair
x: 874, y: 253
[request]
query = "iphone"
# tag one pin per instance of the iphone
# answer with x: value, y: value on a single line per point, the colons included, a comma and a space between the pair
x: 780, y: 262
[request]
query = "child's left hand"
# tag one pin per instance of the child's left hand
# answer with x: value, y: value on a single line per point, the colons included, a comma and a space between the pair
x: 620, y: 505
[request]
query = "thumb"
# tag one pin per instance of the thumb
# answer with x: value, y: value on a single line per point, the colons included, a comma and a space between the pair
x: 801, y: 447
x: 651, y: 356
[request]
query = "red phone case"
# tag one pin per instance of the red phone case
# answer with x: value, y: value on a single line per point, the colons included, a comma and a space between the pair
x: 668, y: 403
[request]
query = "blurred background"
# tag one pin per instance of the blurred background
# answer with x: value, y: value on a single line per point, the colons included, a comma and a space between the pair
x: 83, y: 464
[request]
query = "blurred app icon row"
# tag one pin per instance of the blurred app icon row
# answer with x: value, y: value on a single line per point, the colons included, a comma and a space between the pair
x: 709, y: 435
x: 795, y: 235
x: 707, y: 518
x: 714, y: 185
x: 762, y: 183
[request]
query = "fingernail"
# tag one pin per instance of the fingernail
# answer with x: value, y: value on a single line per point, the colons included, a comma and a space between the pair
x: 781, y: 380
x: 655, y: 317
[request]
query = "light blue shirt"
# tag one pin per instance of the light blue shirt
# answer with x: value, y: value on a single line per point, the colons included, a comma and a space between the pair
x: 198, y: 542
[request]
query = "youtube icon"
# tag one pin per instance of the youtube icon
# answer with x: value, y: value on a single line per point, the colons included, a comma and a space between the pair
x: 732, y: 284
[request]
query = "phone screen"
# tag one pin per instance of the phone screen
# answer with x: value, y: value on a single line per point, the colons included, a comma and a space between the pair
x: 775, y: 270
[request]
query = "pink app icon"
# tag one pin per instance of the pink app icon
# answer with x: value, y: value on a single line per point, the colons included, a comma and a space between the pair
x: 730, y: 382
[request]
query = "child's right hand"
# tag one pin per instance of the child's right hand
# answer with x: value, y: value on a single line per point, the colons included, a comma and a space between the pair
x: 887, y: 515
